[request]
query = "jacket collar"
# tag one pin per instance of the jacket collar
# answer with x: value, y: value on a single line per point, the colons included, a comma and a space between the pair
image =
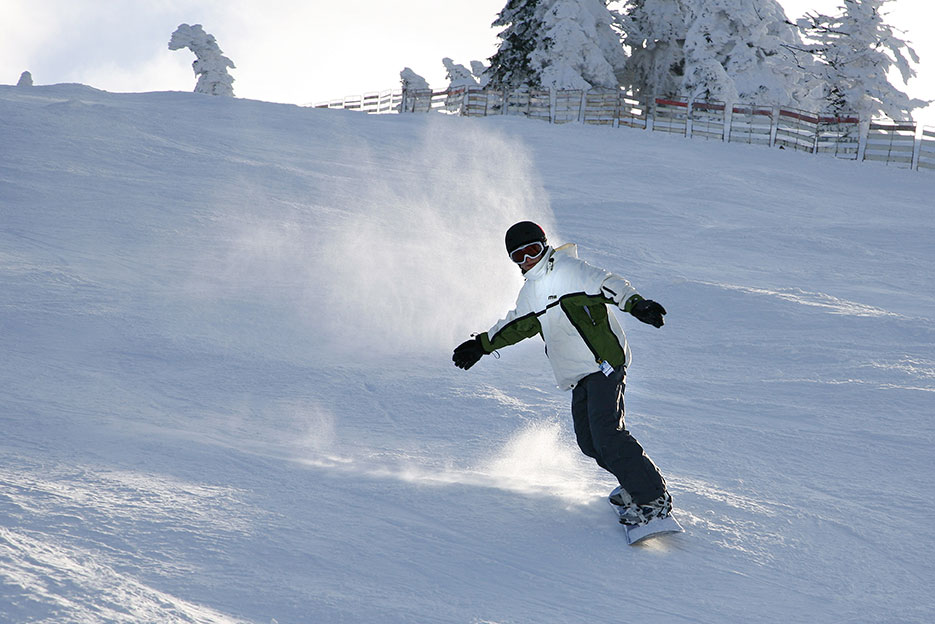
x: 545, y: 265
x: 541, y: 267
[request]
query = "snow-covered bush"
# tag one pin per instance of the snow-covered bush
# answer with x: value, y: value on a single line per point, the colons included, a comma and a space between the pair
x: 210, y: 64
x: 856, y: 50
x: 562, y: 44
x: 458, y: 75
x: 412, y: 81
x: 479, y: 70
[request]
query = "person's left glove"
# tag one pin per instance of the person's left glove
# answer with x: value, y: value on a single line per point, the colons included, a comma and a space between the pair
x: 468, y: 353
x: 649, y: 312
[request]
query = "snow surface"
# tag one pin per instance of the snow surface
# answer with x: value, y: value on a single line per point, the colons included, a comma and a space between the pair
x: 226, y: 392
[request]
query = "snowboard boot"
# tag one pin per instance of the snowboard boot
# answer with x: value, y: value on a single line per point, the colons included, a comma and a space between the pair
x: 633, y: 514
x: 657, y: 508
x: 627, y: 510
x: 620, y: 497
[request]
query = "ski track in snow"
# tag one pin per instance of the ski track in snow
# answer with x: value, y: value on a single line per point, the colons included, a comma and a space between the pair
x: 218, y: 403
x: 819, y: 300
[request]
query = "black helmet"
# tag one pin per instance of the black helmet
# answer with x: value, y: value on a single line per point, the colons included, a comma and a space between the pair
x: 523, y: 233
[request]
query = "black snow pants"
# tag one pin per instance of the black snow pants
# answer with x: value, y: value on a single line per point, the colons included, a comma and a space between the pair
x: 597, y: 410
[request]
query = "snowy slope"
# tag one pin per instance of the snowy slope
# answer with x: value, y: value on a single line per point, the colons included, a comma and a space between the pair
x: 226, y: 392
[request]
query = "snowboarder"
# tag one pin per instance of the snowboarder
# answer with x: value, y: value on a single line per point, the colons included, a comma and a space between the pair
x: 565, y: 300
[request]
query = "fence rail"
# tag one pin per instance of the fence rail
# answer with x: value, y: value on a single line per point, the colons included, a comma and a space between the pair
x: 898, y: 143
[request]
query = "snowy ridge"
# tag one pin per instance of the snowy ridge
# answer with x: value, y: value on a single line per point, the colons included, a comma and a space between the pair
x: 226, y: 392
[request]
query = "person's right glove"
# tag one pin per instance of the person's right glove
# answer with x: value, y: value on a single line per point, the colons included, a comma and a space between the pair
x: 649, y: 312
x: 468, y: 353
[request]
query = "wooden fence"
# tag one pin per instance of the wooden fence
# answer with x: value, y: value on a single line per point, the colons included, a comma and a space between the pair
x: 751, y: 124
x: 708, y: 120
x: 901, y: 144
x: 838, y: 135
x: 891, y: 143
x: 376, y: 102
x: 926, y: 158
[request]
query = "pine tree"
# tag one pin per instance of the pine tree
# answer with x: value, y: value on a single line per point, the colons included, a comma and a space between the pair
x: 509, y: 66
x: 729, y: 50
x: 856, y: 50
x: 581, y: 50
x: 562, y: 44
x: 745, y: 51
x: 654, y: 32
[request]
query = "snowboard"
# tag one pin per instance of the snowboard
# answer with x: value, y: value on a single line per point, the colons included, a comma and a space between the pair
x: 655, y: 527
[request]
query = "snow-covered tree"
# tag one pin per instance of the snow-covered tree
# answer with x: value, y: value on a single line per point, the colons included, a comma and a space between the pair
x: 210, y: 64
x: 458, y: 75
x: 509, y: 66
x: 654, y: 32
x: 745, y: 51
x: 729, y: 50
x: 856, y: 50
x: 563, y: 44
x: 412, y: 81
x: 25, y: 80
x: 582, y: 50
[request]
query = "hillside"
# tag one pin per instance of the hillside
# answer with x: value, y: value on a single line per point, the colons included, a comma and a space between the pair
x: 226, y: 392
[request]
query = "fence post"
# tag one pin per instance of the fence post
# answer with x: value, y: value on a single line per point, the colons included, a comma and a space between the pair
x: 863, y: 132
x: 774, y: 126
x: 689, y: 122
x: 651, y: 113
x: 728, y: 120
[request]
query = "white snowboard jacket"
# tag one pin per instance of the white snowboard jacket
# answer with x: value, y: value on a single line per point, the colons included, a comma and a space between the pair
x: 565, y: 300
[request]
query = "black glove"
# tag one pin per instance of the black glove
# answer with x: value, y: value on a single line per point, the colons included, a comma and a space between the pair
x: 649, y: 312
x: 468, y: 353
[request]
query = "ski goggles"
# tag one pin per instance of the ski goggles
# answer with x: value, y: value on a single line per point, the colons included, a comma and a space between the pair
x: 529, y: 250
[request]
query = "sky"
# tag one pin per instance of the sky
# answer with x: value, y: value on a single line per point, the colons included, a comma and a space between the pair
x: 301, y: 51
